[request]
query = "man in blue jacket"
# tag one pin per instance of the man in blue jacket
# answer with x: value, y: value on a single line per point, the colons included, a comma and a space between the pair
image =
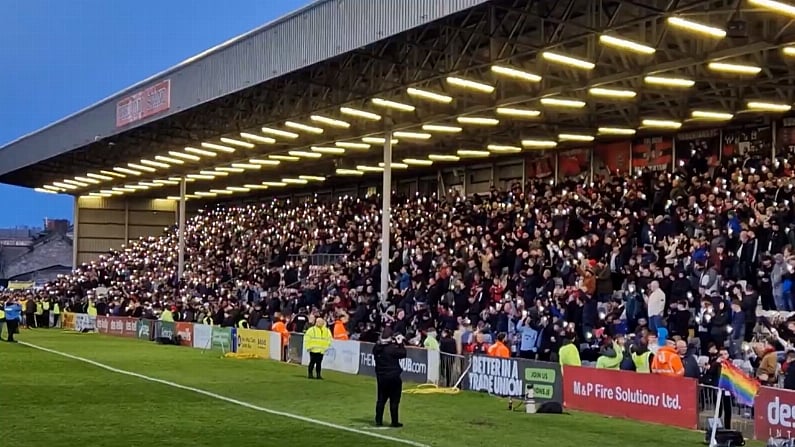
x: 13, y: 313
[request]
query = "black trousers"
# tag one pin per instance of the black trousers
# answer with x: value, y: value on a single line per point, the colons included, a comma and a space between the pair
x: 11, y: 327
x: 315, y: 363
x: 30, y: 319
x: 389, y: 389
x: 55, y: 318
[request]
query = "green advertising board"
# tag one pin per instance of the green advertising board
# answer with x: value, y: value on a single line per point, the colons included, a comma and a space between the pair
x: 222, y: 338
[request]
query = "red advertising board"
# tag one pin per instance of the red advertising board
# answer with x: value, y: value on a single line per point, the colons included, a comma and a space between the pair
x: 625, y: 394
x: 116, y: 326
x: 185, y: 332
x: 103, y: 324
x: 774, y: 413
x: 130, y: 327
x: 143, y: 104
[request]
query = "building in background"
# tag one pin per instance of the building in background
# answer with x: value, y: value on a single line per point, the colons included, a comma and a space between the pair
x: 36, y: 255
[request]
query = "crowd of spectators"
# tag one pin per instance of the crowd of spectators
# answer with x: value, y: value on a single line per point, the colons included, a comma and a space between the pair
x: 620, y: 266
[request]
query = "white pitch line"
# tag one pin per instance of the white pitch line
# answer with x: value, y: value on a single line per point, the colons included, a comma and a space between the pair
x: 229, y: 399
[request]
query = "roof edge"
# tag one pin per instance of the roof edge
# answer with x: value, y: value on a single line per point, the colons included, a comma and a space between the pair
x: 138, y: 85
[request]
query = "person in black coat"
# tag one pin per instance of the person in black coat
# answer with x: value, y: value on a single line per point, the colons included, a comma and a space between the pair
x: 387, y: 353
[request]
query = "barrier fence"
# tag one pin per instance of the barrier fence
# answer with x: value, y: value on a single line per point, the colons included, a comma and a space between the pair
x: 679, y: 402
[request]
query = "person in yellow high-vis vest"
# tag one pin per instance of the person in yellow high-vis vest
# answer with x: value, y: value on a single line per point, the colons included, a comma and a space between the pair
x: 40, y: 314
x: 2, y: 320
x: 317, y: 340
x: 91, y: 309
x: 56, y: 314
x: 45, y: 315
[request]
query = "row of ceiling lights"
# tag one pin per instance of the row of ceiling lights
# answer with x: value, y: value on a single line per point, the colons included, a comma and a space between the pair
x: 191, y: 154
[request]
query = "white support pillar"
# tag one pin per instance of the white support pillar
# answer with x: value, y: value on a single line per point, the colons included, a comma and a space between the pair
x: 773, y: 140
x: 181, y: 252
x: 591, y: 163
x: 75, y: 231
x: 386, y: 216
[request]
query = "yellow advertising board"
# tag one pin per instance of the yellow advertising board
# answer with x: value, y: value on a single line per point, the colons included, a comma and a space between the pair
x: 256, y: 343
x: 68, y: 320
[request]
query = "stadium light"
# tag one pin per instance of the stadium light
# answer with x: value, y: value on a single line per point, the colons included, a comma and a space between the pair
x: 561, y: 102
x: 328, y: 150
x: 768, y: 106
x: 472, y: 153
x: 360, y: 113
x: 625, y: 44
x: 380, y: 102
x: 218, y: 147
x: 568, y: 60
x: 478, y: 120
x: 279, y: 133
x: 669, y: 82
x: 612, y: 93
x: 616, y: 131
x: 417, y: 162
x: 503, y: 149
x: 233, y: 142
x: 712, y: 116
x: 696, y: 27
x: 517, y: 112
x: 257, y: 138
x: 303, y: 127
x: 470, y: 84
x: 443, y: 157
x: 734, y: 68
x: 352, y: 145
x: 441, y: 128
x: 330, y: 121
x: 429, y: 95
x: 515, y: 73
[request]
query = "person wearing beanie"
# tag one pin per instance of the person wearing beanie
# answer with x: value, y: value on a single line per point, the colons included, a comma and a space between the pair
x: 387, y: 353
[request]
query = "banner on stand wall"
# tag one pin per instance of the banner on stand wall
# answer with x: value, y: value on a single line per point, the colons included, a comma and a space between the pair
x: 515, y: 378
x: 706, y: 143
x: 774, y: 410
x: 185, y: 333
x: 612, y: 157
x: 642, y: 397
x: 202, y: 336
x: 343, y: 356
x: 652, y: 153
x: 415, y: 365
x: 252, y: 341
x: 68, y: 320
x: 145, y: 330
x: 85, y: 322
x: 748, y: 141
x: 165, y: 329
x: 222, y: 338
x: 574, y: 164
x: 103, y: 324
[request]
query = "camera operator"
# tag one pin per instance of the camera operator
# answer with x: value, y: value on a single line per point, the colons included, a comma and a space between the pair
x: 387, y: 353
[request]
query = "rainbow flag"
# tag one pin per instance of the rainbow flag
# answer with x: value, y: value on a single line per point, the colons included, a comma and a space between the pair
x: 736, y: 382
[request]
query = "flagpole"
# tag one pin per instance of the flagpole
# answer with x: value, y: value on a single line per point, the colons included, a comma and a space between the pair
x: 712, y: 441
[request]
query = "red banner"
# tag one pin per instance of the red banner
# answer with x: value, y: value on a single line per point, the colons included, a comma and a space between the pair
x: 540, y: 167
x: 185, y: 332
x: 774, y: 411
x: 130, y: 328
x: 118, y: 326
x: 654, y: 153
x: 574, y: 162
x: 643, y: 397
x: 143, y: 104
x: 612, y: 157
x: 103, y: 324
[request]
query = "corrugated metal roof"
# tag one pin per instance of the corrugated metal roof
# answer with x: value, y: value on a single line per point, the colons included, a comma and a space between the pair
x: 323, y: 29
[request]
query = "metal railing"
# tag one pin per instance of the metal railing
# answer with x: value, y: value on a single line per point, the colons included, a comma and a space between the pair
x: 451, y: 368
x: 734, y: 416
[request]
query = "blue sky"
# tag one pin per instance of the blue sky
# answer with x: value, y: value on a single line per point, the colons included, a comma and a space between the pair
x: 61, y: 56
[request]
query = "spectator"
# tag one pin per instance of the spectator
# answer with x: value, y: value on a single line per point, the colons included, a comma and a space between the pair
x: 655, y: 303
